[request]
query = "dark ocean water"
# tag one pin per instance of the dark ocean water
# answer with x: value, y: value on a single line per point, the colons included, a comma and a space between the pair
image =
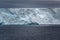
x: 26, y: 32
x: 29, y: 3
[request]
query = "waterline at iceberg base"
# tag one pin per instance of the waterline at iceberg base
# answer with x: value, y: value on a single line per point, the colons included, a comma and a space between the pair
x: 29, y: 16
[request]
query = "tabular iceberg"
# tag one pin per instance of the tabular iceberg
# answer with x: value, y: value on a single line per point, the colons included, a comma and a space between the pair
x: 29, y: 16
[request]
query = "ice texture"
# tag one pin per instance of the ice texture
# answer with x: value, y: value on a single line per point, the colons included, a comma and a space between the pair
x: 29, y: 16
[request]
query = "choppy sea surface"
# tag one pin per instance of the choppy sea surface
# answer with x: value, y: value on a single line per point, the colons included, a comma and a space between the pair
x: 29, y: 16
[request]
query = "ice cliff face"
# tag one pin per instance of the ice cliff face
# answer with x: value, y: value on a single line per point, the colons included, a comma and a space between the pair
x: 29, y: 16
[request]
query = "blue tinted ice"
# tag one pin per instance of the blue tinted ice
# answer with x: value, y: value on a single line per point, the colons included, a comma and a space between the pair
x: 29, y: 16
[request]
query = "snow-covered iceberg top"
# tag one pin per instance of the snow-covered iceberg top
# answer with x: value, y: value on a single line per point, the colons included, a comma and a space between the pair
x: 29, y: 16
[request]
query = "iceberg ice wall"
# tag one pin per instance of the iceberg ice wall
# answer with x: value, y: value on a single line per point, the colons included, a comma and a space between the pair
x: 29, y: 16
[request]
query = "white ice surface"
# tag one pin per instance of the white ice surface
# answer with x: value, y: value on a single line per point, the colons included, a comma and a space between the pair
x: 29, y: 15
